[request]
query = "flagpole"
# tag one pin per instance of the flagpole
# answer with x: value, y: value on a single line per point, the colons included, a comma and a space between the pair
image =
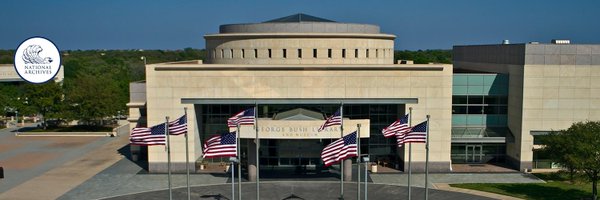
x: 232, y: 180
x: 366, y: 175
x: 358, y: 162
x: 187, y: 157
x: 257, y: 151
x: 168, y: 157
x: 427, y: 161
x: 239, y: 154
x: 409, y: 152
x: 342, y: 162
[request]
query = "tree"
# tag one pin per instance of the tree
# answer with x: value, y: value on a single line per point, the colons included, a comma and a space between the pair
x: 45, y: 99
x: 8, y: 96
x: 93, y: 97
x: 578, y: 147
x: 425, y: 57
x: 559, y: 145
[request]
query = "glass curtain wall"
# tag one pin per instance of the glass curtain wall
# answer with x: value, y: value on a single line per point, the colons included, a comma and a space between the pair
x: 479, y: 110
x: 212, y: 120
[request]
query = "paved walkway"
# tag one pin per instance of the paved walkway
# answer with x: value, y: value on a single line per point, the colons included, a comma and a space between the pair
x: 301, y: 190
x: 126, y: 177
x: 492, y: 168
x: 93, y: 168
x: 450, y: 178
x: 51, y: 166
x: 446, y: 187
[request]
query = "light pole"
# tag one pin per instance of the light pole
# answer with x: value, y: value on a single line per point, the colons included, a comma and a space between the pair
x: 233, y: 160
x: 144, y: 59
x: 366, y: 161
x: 26, y: 102
x: 17, y: 120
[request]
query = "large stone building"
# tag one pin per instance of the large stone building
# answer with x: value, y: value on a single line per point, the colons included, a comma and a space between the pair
x: 299, y: 69
x: 545, y: 87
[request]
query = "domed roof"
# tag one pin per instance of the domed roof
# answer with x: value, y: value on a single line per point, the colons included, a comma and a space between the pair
x: 300, y: 17
x: 300, y: 23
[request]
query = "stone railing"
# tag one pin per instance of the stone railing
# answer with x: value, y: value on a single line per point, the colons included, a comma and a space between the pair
x: 121, y: 130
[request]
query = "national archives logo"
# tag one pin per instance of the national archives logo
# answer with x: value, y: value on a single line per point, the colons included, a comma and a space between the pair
x: 37, y: 60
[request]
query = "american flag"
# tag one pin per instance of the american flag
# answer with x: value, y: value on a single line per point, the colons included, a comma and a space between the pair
x: 179, y: 126
x: 333, y: 120
x: 340, y: 149
x: 245, y: 117
x: 148, y: 136
x: 223, y: 145
x: 399, y: 127
x: 417, y: 134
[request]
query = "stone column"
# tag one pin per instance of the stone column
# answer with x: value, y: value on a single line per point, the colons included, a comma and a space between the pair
x: 348, y: 170
x: 251, y: 161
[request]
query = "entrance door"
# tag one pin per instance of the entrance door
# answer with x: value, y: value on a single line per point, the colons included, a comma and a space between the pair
x: 473, y: 154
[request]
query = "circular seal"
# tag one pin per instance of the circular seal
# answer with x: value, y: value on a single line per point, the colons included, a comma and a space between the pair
x: 37, y: 60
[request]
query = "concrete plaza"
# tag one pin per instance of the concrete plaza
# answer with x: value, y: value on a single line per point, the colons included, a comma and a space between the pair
x: 97, y: 168
x: 39, y: 167
x: 127, y: 180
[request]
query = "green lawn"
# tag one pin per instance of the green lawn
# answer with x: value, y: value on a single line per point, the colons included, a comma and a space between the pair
x: 557, y: 187
x: 78, y: 128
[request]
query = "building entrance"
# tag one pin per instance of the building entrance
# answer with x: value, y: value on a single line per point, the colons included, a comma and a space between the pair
x: 289, y: 158
x: 478, y: 153
x: 473, y: 153
x: 289, y: 152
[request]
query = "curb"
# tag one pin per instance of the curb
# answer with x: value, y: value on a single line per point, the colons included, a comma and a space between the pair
x: 447, y: 187
x: 66, y: 134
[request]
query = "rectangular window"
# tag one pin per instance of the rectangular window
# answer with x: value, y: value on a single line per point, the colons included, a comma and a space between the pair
x: 299, y: 53
x: 243, y: 53
x: 475, y: 99
x: 222, y: 53
x: 231, y: 51
x: 314, y: 53
x: 376, y: 53
x: 475, y: 110
x: 459, y: 110
x: 367, y: 53
x: 459, y: 99
x: 491, y: 100
x: 329, y: 53
x: 255, y: 53
x: 269, y: 53
x: 537, y: 139
x: 284, y: 53
x: 502, y: 110
x: 355, y: 53
x: 343, y: 53
x: 504, y: 100
x: 490, y: 110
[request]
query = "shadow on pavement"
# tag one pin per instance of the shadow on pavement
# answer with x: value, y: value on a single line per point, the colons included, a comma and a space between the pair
x: 301, y: 190
x: 126, y: 151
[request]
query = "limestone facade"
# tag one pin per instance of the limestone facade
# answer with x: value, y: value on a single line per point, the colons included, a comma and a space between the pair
x: 168, y: 83
x: 297, y: 57
x: 551, y: 86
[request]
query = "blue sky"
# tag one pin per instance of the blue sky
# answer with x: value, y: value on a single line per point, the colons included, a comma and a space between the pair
x: 112, y: 24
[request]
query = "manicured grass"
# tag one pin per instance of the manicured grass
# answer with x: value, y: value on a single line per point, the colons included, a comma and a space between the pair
x: 557, y: 187
x: 78, y: 128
